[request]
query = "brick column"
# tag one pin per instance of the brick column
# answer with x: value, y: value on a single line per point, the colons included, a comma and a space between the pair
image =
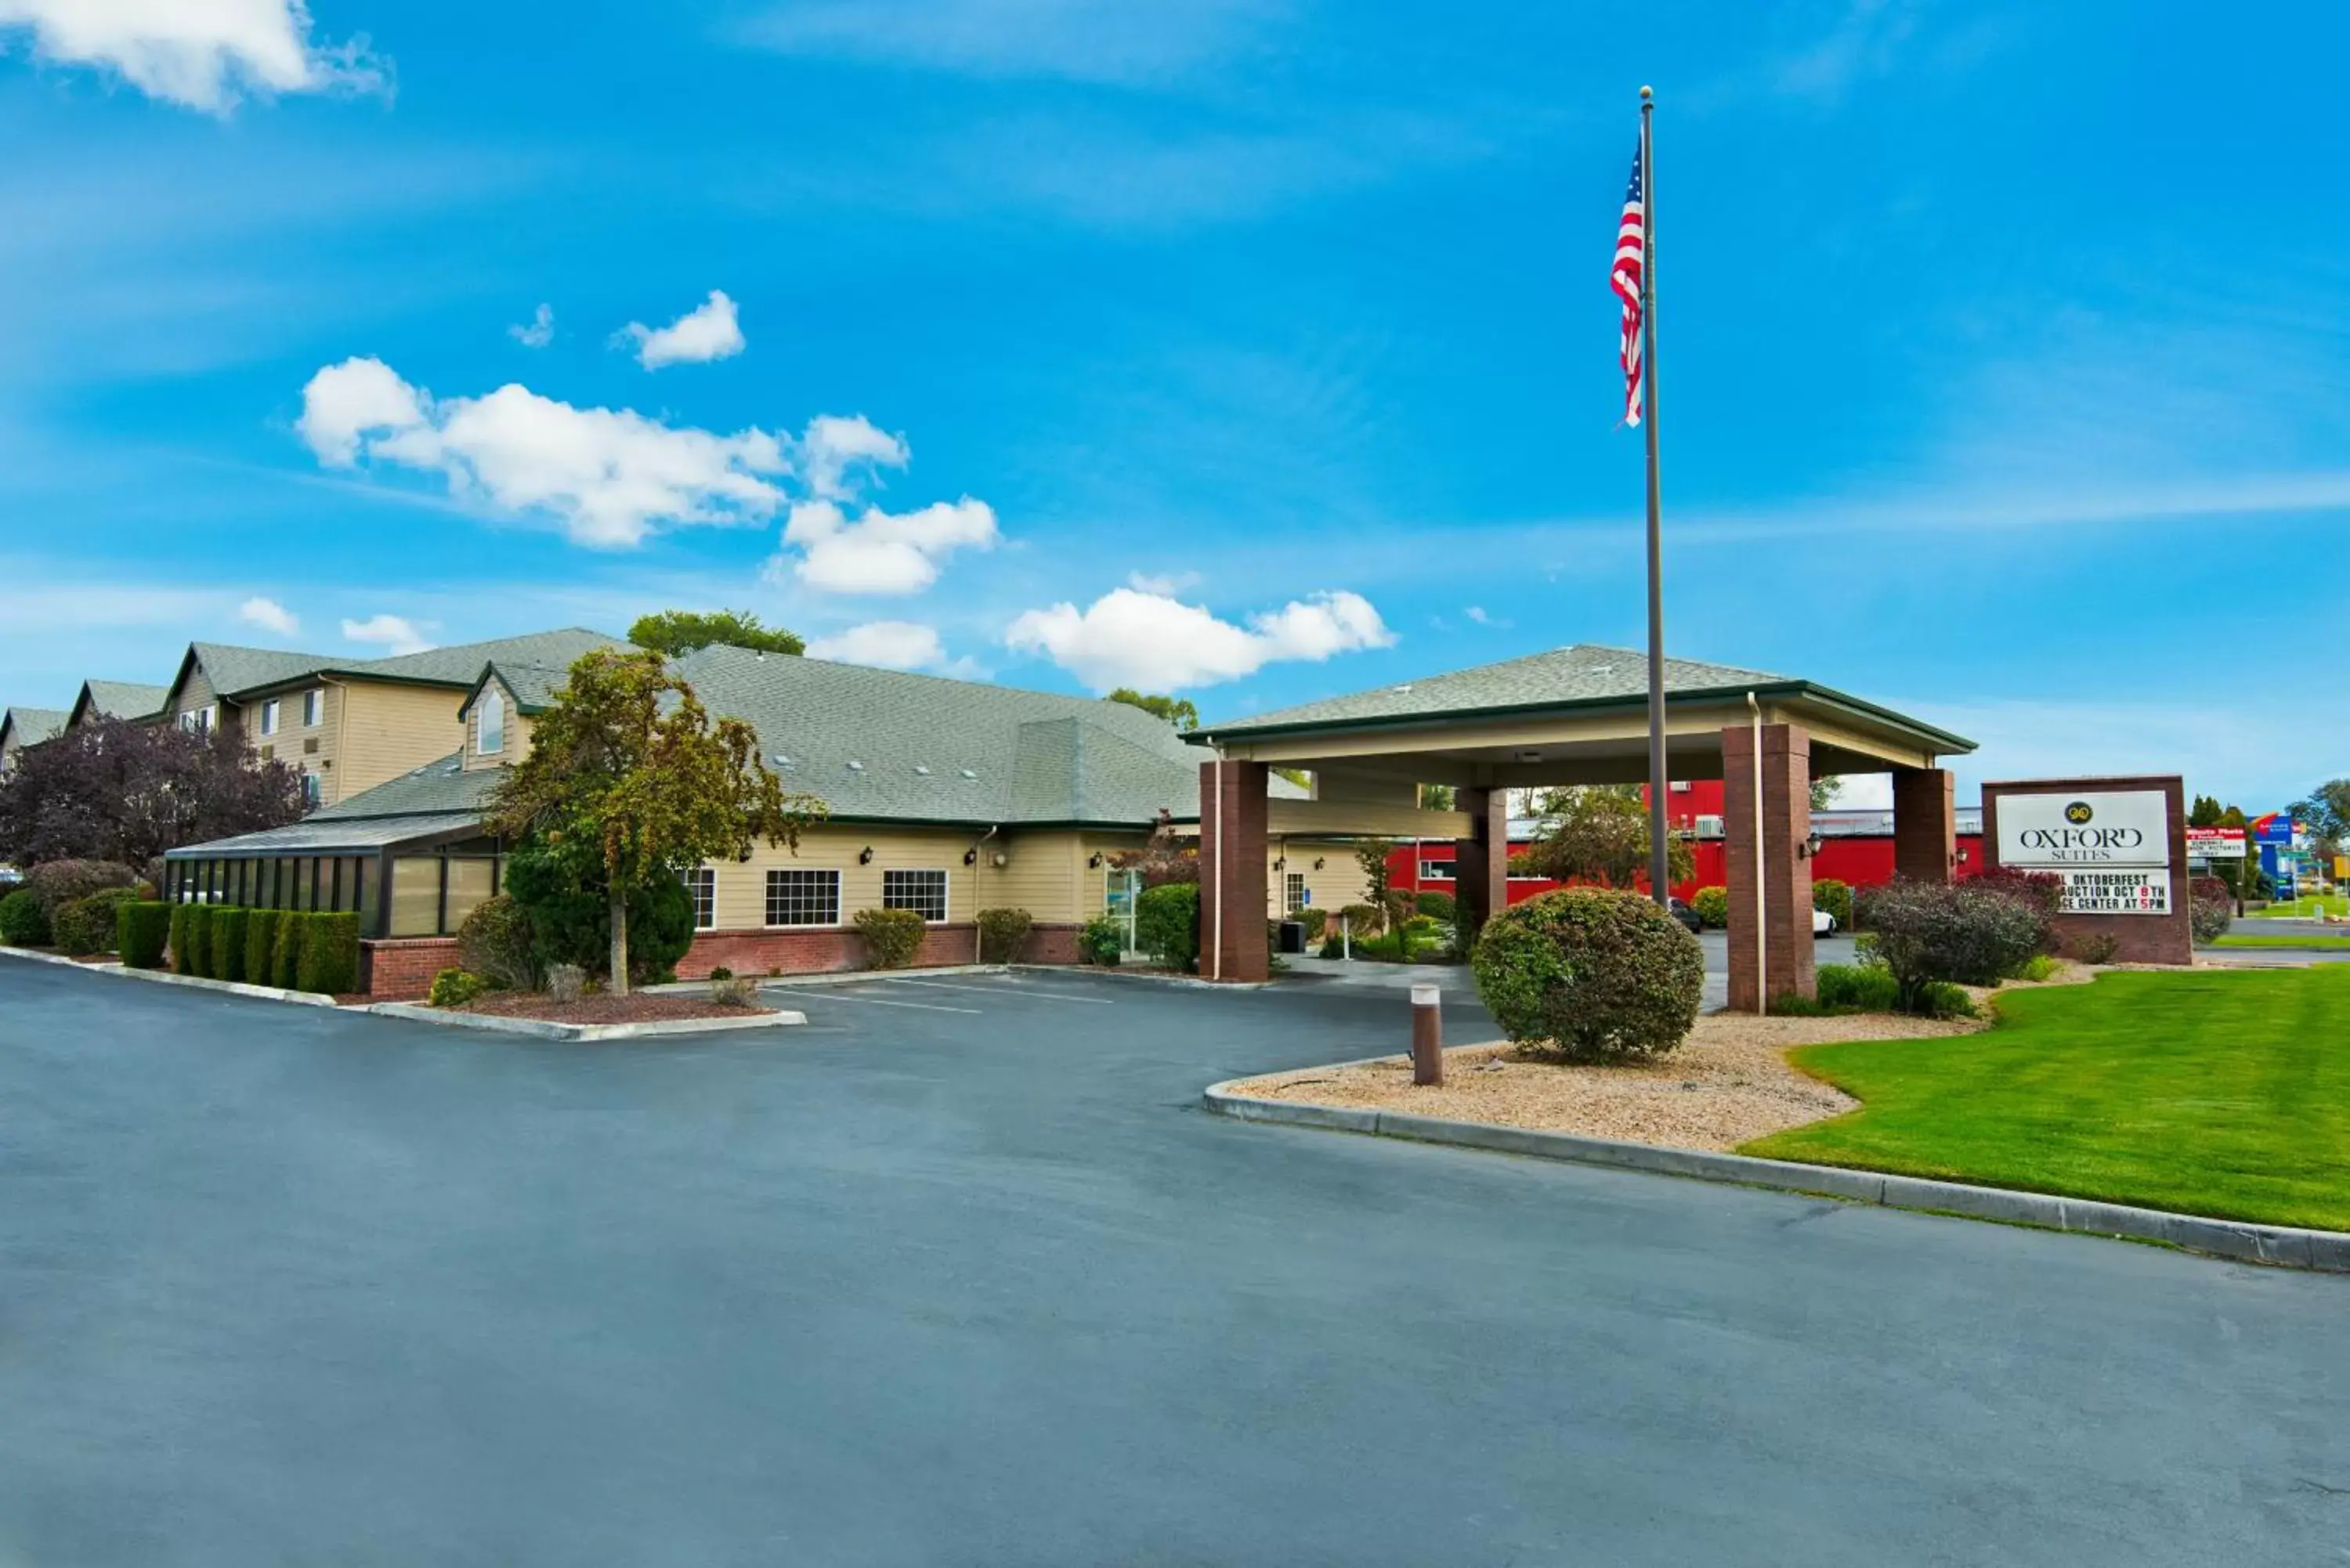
x: 1924, y: 824
x: 1481, y: 862
x: 1232, y: 872
x: 1786, y: 873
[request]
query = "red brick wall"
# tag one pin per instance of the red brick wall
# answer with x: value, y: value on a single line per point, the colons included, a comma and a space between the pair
x: 401, y: 968
x: 1232, y: 871
x: 2138, y: 938
x: 1787, y: 875
x: 828, y: 951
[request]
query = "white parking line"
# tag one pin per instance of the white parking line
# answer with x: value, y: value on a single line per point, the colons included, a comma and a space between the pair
x: 1005, y: 991
x: 820, y: 994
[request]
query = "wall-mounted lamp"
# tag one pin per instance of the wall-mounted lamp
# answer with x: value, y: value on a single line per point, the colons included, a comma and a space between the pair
x: 971, y: 856
x: 1093, y: 861
x: 1809, y: 847
x: 1281, y: 863
x: 865, y: 856
x: 1317, y: 863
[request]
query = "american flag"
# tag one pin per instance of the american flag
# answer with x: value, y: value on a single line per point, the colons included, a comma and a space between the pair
x: 1631, y: 261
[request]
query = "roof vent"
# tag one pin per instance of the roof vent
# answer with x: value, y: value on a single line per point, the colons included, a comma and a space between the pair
x: 1404, y: 691
x: 921, y: 770
x: 782, y: 761
x: 855, y: 766
x: 967, y: 773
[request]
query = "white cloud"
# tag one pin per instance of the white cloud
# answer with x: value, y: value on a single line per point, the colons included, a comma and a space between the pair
x: 538, y: 331
x: 882, y: 551
x: 269, y: 616
x: 1166, y: 585
x: 204, y: 54
x: 836, y: 452
x: 1152, y: 640
x: 891, y: 644
x: 611, y: 476
x: 710, y: 331
x: 396, y: 635
x: 1477, y: 613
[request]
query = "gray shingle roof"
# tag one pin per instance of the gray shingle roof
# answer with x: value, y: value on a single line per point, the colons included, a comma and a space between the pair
x: 234, y: 671
x: 321, y: 835
x: 31, y: 726
x: 1586, y: 673
x: 126, y: 699
x: 931, y: 749
x: 437, y: 786
x: 533, y: 685
x: 232, y: 668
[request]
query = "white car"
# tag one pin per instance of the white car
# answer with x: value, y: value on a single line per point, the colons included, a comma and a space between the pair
x: 1822, y: 923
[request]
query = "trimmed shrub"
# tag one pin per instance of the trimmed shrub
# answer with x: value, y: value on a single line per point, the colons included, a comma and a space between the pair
x: 1959, y: 931
x: 2098, y: 948
x: 1002, y: 934
x: 179, y: 942
x: 571, y: 919
x: 196, y: 960
x: 224, y: 953
x: 1315, y: 920
x: 1364, y: 920
x: 455, y: 988
x: 1711, y: 907
x: 495, y: 943
x: 732, y: 990
x: 1828, y: 894
x: 327, y: 961
x: 83, y: 926
x: 58, y: 883
x: 892, y: 937
x: 1599, y: 975
x: 2038, y: 967
x: 142, y: 928
x: 261, y: 931
x: 1103, y: 940
x: 720, y: 971
x: 22, y: 922
x: 2210, y: 906
x: 285, y: 956
x: 1437, y: 906
x: 1167, y: 924
x: 1862, y: 988
x: 1941, y: 999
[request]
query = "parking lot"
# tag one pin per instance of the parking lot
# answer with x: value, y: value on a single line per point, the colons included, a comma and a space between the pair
x: 960, y: 1273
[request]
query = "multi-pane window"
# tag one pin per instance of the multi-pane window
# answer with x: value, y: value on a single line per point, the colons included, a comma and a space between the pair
x: 1436, y: 871
x: 702, y: 884
x: 924, y: 892
x: 198, y: 721
x: 269, y: 717
x: 313, y: 790
x: 1293, y: 892
x: 798, y: 897
x: 314, y: 707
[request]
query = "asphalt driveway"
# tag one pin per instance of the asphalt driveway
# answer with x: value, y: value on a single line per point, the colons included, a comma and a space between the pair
x: 959, y: 1274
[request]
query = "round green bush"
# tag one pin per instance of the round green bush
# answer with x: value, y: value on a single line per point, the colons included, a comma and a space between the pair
x: 1167, y: 924
x: 1864, y: 988
x: 1711, y: 907
x: 455, y: 988
x: 1437, y: 906
x: 60, y: 882
x: 1834, y: 896
x: 1102, y: 941
x: 22, y: 923
x: 892, y: 937
x: 497, y: 944
x: 1597, y: 975
x: 86, y: 926
x: 1002, y: 934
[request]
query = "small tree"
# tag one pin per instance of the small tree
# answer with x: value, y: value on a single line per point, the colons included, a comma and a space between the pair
x: 112, y: 790
x: 2327, y: 814
x: 1371, y: 854
x: 625, y: 760
x: 1599, y: 834
x: 1180, y: 712
x: 675, y: 632
x: 1163, y: 859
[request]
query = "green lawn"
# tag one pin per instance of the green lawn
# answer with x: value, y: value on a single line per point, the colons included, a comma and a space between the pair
x: 2305, y: 909
x: 2266, y: 940
x: 2224, y: 1094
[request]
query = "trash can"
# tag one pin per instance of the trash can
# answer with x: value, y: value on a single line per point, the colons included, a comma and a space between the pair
x: 1293, y: 936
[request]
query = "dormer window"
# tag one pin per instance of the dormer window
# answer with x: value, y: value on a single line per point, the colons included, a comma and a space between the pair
x: 494, y: 722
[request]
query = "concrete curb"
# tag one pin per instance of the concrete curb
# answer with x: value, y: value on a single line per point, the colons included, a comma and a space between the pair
x: 1151, y: 976
x: 547, y: 1029
x: 2283, y: 1246
x: 165, y: 977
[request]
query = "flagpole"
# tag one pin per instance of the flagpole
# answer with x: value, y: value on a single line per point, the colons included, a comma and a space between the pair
x: 1660, y: 860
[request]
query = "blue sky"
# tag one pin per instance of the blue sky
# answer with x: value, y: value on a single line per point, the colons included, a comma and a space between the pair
x: 1262, y: 350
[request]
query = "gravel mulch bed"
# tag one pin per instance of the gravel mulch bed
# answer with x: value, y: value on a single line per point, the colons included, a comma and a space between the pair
x: 637, y: 1007
x: 1728, y: 1083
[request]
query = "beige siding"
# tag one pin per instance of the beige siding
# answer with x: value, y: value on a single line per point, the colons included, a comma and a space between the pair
x: 195, y: 693
x: 1045, y: 873
x: 380, y: 730
x: 1338, y: 882
x: 517, y: 736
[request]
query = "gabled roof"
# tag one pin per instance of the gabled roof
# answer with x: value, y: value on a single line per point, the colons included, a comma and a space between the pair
x: 1585, y: 675
x: 31, y: 726
x: 118, y: 699
x: 444, y: 784
x: 240, y: 672
x: 534, y: 686
x: 928, y: 748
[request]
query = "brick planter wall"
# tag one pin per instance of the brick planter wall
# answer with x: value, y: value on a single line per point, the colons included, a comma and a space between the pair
x: 400, y: 968
x: 827, y: 952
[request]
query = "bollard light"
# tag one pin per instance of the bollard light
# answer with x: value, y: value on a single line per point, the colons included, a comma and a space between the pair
x: 1426, y: 1038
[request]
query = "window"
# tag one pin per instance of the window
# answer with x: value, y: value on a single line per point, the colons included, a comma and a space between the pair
x: 313, y: 791
x: 1678, y: 786
x: 269, y: 717
x: 924, y: 892
x: 314, y: 707
x: 469, y: 884
x: 702, y: 886
x: 493, y: 709
x: 1293, y: 892
x: 415, y: 895
x: 1436, y: 871
x: 801, y: 897
x: 199, y: 720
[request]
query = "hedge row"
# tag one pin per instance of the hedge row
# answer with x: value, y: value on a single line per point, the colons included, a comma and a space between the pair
x: 294, y: 949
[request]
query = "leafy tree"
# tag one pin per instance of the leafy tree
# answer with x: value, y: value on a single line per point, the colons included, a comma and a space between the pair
x: 629, y: 783
x: 2326, y: 813
x: 1824, y: 792
x: 1164, y: 860
x: 112, y: 790
x: 1436, y: 797
x: 1371, y: 854
x: 1599, y: 834
x: 675, y: 632
x: 2204, y: 813
x: 1180, y: 712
